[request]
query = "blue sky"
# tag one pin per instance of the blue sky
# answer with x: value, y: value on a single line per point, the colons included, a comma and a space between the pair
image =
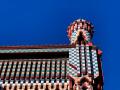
x: 40, y: 22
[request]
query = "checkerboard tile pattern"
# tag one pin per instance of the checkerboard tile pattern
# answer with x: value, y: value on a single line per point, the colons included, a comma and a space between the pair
x: 87, y: 55
x: 73, y: 37
x: 82, y: 59
x: 74, y: 61
x: 78, y: 59
x: 72, y: 57
x: 95, y: 63
x: 87, y: 34
x: 71, y: 71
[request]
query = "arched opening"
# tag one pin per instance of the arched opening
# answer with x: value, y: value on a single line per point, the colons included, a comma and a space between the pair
x: 81, y: 38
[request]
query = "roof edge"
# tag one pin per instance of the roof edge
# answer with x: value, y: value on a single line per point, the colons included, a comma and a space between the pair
x: 35, y: 47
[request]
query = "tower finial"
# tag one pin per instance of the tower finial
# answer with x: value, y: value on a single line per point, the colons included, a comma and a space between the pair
x: 80, y: 31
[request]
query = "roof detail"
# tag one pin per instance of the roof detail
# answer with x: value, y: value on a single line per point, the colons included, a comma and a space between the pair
x: 54, y: 67
x: 80, y: 26
x: 34, y: 50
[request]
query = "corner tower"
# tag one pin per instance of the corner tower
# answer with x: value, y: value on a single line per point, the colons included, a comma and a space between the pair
x: 84, y: 64
x: 80, y: 31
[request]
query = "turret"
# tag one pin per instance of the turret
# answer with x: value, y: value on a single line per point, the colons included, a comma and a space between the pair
x: 80, y: 31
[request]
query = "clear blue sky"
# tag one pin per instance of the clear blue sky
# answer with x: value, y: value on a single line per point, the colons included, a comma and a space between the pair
x: 38, y: 22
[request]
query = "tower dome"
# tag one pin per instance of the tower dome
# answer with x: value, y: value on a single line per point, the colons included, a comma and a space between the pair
x: 80, y: 31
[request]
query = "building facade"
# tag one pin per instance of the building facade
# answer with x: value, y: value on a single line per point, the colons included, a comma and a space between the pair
x: 76, y: 66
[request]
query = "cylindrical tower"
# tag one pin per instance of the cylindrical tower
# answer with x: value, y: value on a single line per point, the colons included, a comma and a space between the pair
x: 80, y: 31
x: 84, y: 65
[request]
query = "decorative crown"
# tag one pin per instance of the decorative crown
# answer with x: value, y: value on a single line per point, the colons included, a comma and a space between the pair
x: 80, y: 25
